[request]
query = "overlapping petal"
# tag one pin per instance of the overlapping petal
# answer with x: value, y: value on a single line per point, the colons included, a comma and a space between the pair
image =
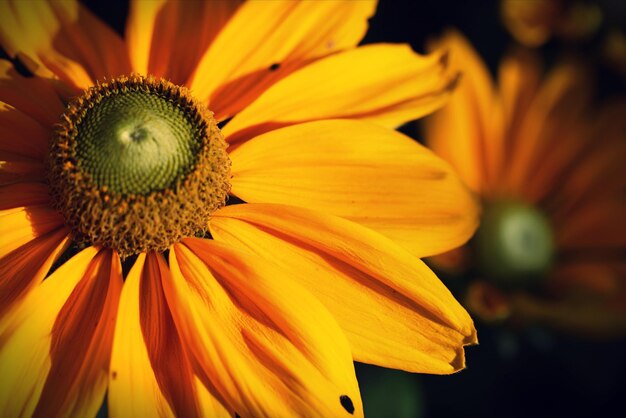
x: 261, y: 36
x: 151, y: 373
x: 387, y: 84
x: 56, y: 359
x: 23, y: 224
x: 62, y: 39
x: 394, y: 310
x: 26, y: 266
x: 33, y: 96
x: 266, y: 345
x: 363, y: 172
x: 21, y: 134
x: 167, y: 38
x: 467, y: 132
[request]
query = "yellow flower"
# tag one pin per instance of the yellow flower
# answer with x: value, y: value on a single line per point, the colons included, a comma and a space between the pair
x: 121, y: 270
x: 550, y: 174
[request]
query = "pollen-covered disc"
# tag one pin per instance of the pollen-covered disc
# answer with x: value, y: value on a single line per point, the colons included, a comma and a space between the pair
x: 137, y: 164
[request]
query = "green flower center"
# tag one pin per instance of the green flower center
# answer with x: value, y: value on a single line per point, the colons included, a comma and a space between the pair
x: 137, y: 164
x: 514, y: 243
x: 137, y: 142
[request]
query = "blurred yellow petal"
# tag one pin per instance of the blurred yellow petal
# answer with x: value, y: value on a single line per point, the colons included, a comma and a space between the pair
x: 387, y: 84
x: 239, y: 64
x: 236, y: 311
x: 584, y: 316
x: 394, y: 310
x: 556, y: 108
x: 467, y: 132
x: 363, y: 172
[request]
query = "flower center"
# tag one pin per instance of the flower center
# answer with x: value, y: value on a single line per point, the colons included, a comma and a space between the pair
x: 514, y: 243
x: 137, y: 164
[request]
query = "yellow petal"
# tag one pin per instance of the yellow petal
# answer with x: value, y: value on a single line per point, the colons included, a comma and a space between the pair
x: 21, y: 225
x: 168, y: 38
x: 151, y: 375
x: 133, y: 388
x: 25, y: 267
x: 34, y: 96
x: 63, y: 40
x: 26, y: 339
x: 388, y: 84
x: 267, y: 346
x: 468, y: 131
x: 393, y: 309
x: 21, y: 134
x: 262, y: 34
x: 363, y: 172
x: 81, y: 340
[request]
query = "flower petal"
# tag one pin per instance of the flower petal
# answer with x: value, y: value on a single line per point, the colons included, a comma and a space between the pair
x: 133, y: 388
x: 363, y: 172
x: 268, y: 347
x: 21, y: 134
x: 583, y: 316
x: 21, y: 225
x: 593, y: 275
x: 388, y: 84
x: 28, y: 265
x: 34, y: 96
x: 23, y: 194
x: 151, y: 373
x: 63, y: 40
x: 81, y: 340
x: 467, y: 132
x: 168, y: 38
x: 16, y: 168
x: 394, y: 310
x: 556, y: 111
x: 29, y: 346
x: 262, y: 34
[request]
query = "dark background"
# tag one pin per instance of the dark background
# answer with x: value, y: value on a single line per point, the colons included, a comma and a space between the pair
x: 533, y: 373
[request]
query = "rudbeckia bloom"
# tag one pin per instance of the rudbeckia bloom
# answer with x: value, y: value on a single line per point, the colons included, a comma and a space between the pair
x: 550, y: 173
x: 122, y: 272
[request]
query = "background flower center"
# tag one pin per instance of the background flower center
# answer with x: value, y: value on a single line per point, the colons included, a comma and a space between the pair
x: 514, y: 243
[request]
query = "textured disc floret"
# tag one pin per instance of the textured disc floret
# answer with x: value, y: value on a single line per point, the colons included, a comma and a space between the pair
x: 137, y: 164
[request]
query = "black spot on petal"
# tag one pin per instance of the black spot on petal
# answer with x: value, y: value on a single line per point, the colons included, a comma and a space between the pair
x: 274, y: 66
x: 347, y: 404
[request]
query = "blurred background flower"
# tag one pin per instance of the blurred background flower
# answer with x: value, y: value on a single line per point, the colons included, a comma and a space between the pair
x: 549, y: 170
x: 560, y: 102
